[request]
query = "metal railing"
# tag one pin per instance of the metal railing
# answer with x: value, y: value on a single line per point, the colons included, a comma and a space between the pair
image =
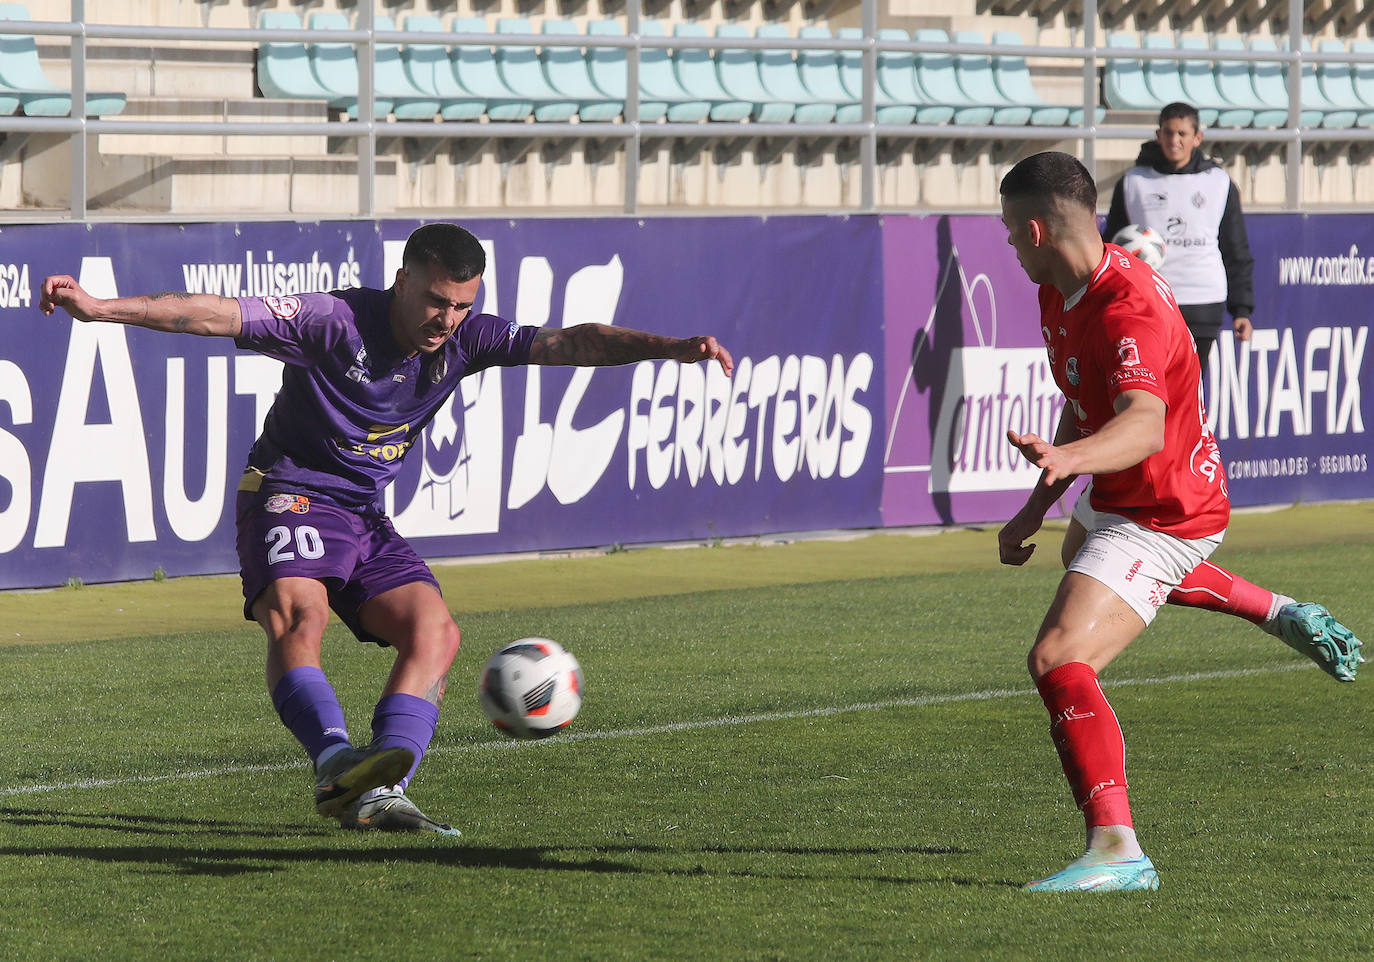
x: 366, y: 129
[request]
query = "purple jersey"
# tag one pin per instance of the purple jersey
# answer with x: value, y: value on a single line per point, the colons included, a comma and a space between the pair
x: 351, y: 404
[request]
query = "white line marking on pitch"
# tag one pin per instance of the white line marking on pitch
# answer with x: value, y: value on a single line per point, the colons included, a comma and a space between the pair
x: 920, y: 701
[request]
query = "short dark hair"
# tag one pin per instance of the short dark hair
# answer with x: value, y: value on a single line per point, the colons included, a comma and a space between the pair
x: 446, y: 246
x: 1180, y: 111
x: 1050, y: 176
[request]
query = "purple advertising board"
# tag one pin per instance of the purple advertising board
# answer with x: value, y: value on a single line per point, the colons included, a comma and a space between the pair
x: 120, y: 448
x: 965, y: 362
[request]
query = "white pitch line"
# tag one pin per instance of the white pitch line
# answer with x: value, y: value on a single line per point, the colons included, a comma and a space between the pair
x: 920, y: 701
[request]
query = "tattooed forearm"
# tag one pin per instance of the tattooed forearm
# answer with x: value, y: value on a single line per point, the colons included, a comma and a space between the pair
x: 597, y: 344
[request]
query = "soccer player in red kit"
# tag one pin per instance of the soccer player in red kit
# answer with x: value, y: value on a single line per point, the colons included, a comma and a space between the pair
x: 1156, y: 509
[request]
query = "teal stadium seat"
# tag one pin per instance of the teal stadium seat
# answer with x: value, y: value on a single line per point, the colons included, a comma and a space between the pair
x: 519, y: 67
x: 936, y: 75
x: 778, y: 71
x: 1123, y: 80
x: 389, y: 76
x: 738, y: 70
x: 284, y: 66
x: 976, y: 78
x: 696, y: 72
x: 658, y: 81
x: 607, y: 66
x: 1013, y: 79
x: 1200, y: 87
x: 1236, y: 85
x: 897, y: 75
x: 887, y: 110
x: 335, y: 66
x: 1271, y: 86
x: 1165, y: 80
x: 1362, y: 74
x: 566, y: 68
x: 474, y: 66
x: 22, y: 78
x: 1334, y: 116
x: 1337, y: 80
x: 429, y: 69
x: 820, y: 75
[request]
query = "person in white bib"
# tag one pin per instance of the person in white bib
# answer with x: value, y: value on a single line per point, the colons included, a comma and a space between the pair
x: 1189, y: 200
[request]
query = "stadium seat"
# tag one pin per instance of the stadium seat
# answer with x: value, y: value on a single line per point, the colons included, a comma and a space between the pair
x: 22, y: 78
x: 820, y: 75
x: 608, y: 71
x: 1200, y: 87
x: 738, y: 70
x: 335, y: 66
x: 1362, y: 74
x: 976, y: 78
x: 284, y: 67
x: 1337, y: 83
x: 429, y: 69
x: 1013, y: 79
x: 1334, y: 116
x: 1123, y: 81
x: 566, y: 68
x: 389, y: 75
x: 1271, y: 86
x: 474, y: 66
x: 897, y: 75
x: 696, y: 72
x: 1164, y: 80
x: 519, y: 67
x: 936, y: 75
x: 658, y: 82
x: 778, y: 71
x: 886, y: 109
x: 1236, y: 85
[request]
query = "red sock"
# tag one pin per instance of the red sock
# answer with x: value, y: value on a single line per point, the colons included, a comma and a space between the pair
x: 1216, y: 589
x: 1088, y: 738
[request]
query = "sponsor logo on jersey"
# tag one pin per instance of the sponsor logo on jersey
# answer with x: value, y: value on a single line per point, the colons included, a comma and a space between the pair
x: 285, y: 307
x: 356, y: 373
x: 281, y: 503
x: 1071, y: 370
x: 511, y: 330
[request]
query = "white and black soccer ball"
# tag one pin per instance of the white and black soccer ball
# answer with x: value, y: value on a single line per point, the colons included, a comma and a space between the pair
x: 531, y: 688
x: 1143, y: 243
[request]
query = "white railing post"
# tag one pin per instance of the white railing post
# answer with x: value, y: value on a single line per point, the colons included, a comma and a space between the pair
x: 1090, y: 86
x: 868, y: 199
x: 78, y: 143
x: 367, y: 115
x: 1293, y: 152
x: 632, y: 108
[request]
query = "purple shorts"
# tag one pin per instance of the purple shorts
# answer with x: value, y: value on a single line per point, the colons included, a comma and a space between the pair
x: 356, y: 555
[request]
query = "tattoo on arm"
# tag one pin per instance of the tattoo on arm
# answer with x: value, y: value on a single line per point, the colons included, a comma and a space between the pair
x: 596, y: 344
x: 180, y: 323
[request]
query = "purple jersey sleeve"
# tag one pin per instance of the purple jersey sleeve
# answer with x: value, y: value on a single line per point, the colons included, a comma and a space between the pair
x: 294, y: 329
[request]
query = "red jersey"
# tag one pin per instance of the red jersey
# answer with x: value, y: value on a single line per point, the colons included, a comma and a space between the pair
x: 1124, y: 332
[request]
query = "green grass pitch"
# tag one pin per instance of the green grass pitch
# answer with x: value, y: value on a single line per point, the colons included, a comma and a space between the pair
x: 815, y: 751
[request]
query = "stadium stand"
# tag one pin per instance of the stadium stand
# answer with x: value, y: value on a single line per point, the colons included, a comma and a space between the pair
x: 470, y: 79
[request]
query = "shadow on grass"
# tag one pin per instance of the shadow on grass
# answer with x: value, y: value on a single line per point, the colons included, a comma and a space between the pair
x: 295, y: 846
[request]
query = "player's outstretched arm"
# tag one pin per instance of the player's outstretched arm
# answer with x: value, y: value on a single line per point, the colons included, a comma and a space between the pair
x: 205, y: 314
x: 595, y: 345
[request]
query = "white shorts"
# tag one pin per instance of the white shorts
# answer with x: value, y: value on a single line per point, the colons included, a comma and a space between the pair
x: 1141, y: 565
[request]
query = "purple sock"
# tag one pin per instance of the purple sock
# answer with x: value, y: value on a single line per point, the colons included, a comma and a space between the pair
x: 405, y: 721
x: 307, y: 705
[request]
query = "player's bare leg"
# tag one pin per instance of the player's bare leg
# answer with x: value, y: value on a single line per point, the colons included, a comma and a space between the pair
x: 293, y: 613
x: 1087, y: 626
x: 415, y: 621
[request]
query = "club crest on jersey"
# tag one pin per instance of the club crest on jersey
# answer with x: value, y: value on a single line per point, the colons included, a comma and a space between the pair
x: 281, y: 503
x: 1071, y: 370
x: 1129, y: 353
x: 285, y: 307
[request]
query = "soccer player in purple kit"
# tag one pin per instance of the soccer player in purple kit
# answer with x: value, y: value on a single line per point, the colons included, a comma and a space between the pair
x: 365, y: 370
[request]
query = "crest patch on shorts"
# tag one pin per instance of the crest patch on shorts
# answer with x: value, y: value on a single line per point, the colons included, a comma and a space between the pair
x: 279, y: 503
